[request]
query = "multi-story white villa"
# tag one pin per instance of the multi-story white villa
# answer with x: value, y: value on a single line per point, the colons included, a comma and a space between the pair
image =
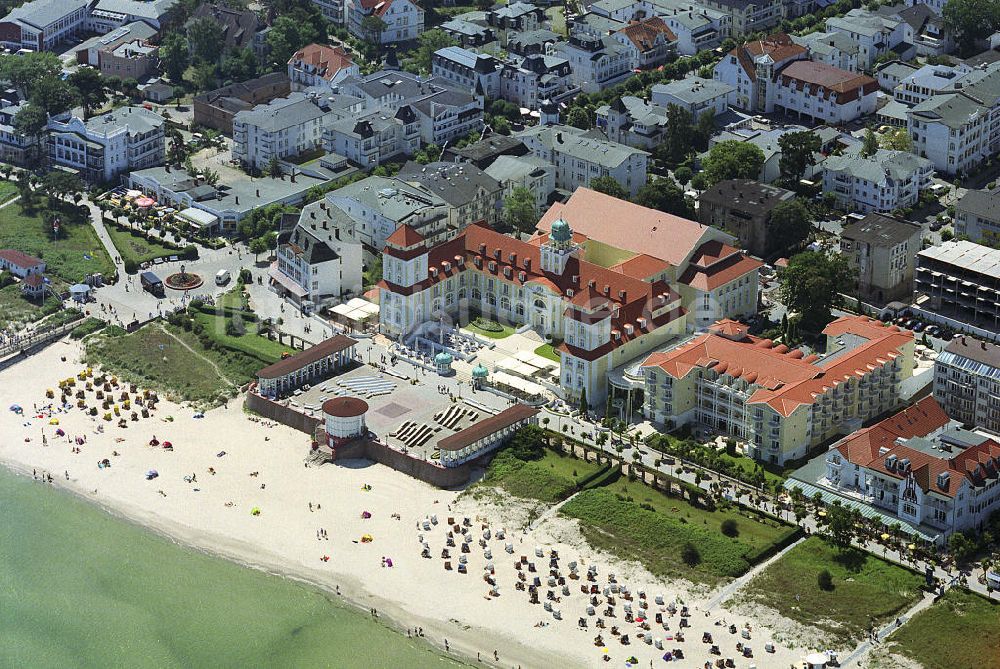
x: 107, y: 146
x: 884, y: 181
x: 475, y: 73
x: 581, y: 156
x: 779, y: 400
x: 403, y: 20
x: 533, y: 79
x: 370, y: 138
x: 281, y: 128
x: 919, y: 467
x: 595, y: 62
x: 751, y: 68
x: 40, y: 25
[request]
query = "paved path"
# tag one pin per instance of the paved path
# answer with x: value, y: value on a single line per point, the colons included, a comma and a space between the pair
x: 10, y: 201
x: 861, y: 652
x: 729, y: 590
x: 551, y: 511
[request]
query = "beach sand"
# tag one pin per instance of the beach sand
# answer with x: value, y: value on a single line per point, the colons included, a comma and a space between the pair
x: 213, y: 514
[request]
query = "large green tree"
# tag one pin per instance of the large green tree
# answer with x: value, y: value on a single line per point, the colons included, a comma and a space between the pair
x: 798, y: 152
x: 869, y: 145
x: 30, y: 120
x: 519, y: 210
x: 665, y: 195
x: 429, y: 42
x: 840, y: 526
x: 812, y: 284
x: 53, y: 95
x: 677, y: 139
x: 90, y: 91
x: 26, y: 71
x: 206, y: 39
x: 288, y: 35
x: 733, y: 159
x: 789, y: 225
x: 609, y: 186
x: 175, y: 56
x: 972, y: 21
x: 578, y: 118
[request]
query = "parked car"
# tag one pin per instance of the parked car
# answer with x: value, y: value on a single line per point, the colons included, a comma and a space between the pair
x: 933, y: 330
x: 919, y: 327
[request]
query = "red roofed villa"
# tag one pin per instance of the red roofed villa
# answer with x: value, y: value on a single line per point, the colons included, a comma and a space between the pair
x: 318, y: 64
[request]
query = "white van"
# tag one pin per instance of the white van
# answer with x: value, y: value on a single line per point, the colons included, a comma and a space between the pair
x: 222, y: 277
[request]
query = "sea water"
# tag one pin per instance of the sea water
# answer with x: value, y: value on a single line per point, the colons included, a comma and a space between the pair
x: 81, y: 588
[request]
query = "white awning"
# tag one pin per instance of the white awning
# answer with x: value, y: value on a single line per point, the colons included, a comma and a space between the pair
x: 516, y: 382
x: 199, y: 218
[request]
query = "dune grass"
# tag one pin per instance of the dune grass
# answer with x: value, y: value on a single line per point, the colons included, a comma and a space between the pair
x: 551, y: 479
x: 866, y: 589
x: 959, y: 631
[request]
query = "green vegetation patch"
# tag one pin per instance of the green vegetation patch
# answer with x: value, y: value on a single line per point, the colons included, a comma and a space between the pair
x: 7, y: 190
x: 959, y: 631
x: 222, y: 329
x: 137, y: 248
x: 865, y: 589
x: 156, y: 358
x: 90, y: 325
x: 76, y: 253
x: 550, y: 479
x: 16, y: 308
x: 548, y: 351
x: 635, y: 522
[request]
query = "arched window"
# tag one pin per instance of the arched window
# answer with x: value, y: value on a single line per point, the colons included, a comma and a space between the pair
x: 505, y: 303
x: 519, y: 309
x: 491, y: 299
x: 539, y: 304
x: 476, y: 294
x: 461, y: 293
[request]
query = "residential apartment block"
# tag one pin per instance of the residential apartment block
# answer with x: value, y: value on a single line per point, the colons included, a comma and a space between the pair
x: 632, y: 121
x: 698, y: 96
x: 371, y: 138
x: 780, y: 401
x: 743, y: 208
x: 884, y: 181
x: 960, y: 281
x: 917, y: 466
x: 751, y: 67
x: 875, y: 35
x: 581, y: 156
x: 529, y: 81
x: 882, y: 252
x: 595, y: 61
x: 823, y: 93
x: 647, y: 42
x: 105, y: 147
x: 750, y: 16
x: 403, y: 20
x: 470, y: 193
x: 282, y: 128
x: 475, y: 73
x: 959, y: 128
x: 41, y: 25
x: 977, y: 216
x: 132, y: 60
x: 535, y: 174
x: 318, y: 258
x: 967, y: 382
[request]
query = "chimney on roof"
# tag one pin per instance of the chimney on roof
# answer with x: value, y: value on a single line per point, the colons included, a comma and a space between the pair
x: 258, y: 192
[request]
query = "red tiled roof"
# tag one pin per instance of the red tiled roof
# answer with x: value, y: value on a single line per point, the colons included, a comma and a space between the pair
x: 334, y: 344
x: 785, y: 378
x: 715, y: 264
x: 404, y: 237
x: 34, y: 280
x: 376, y: 7
x: 643, y: 33
x: 778, y: 46
x: 327, y: 60
x: 828, y: 80
x: 636, y: 229
x: 519, y: 263
x: 642, y: 266
x: 19, y: 258
x: 871, y: 447
x: 345, y: 407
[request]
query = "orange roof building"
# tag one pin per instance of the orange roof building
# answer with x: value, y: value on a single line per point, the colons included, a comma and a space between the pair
x: 320, y: 64
x: 714, y: 278
x: 603, y: 316
x: 781, y: 401
x: 920, y: 467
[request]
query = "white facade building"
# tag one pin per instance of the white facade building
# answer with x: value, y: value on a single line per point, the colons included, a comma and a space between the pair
x: 403, y: 19
x: 883, y: 182
x: 107, y: 146
x: 282, y: 128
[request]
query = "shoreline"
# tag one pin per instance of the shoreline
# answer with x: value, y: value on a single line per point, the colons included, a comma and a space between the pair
x: 349, y: 596
x: 240, y: 488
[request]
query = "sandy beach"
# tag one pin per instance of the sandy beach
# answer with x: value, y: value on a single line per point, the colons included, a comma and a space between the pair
x: 264, y: 467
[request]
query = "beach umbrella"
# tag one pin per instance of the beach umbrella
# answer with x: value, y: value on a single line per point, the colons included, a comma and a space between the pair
x: 53, y: 421
x: 154, y: 442
x: 152, y: 474
x: 167, y: 444
x: 16, y: 408
x: 883, y: 536
x: 60, y: 432
x: 255, y: 511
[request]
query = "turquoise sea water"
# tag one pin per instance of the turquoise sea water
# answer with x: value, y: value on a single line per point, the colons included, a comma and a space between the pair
x: 80, y: 588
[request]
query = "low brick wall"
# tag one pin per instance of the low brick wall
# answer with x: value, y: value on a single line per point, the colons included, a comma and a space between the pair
x: 282, y: 414
x: 442, y: 477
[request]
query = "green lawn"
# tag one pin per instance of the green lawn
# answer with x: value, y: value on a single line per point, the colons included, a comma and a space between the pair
x: 233, y: 299
x: 266, y: 350
x: 151, y: 357
x: 557, y: 15
x: 70, y: 258
x: 15, y: 308
x: 548, y: 351
x: 865, y: 589
x: 959, y: 631
x: 635, y: 522
x: 551, y: 479
x: 7, y: 191
x: 137, y: 248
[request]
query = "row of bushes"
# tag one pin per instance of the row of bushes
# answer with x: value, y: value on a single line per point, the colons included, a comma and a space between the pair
x: 87, y: 327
